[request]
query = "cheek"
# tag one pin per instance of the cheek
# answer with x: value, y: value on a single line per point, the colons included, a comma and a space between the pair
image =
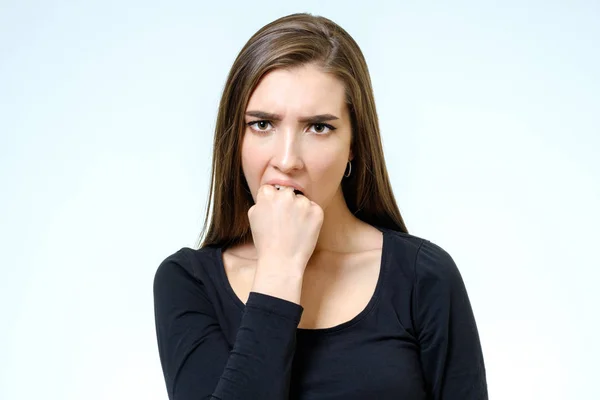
x: 328, y: 170
x: 252, y: 165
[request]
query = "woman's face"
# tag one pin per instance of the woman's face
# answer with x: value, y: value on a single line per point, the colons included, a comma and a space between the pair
x: 282, y: 141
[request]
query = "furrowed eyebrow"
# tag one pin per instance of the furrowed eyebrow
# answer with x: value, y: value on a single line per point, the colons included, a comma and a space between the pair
x: 277, y: 117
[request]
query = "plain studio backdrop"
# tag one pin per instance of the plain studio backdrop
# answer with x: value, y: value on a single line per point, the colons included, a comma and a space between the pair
x: 489, y: 115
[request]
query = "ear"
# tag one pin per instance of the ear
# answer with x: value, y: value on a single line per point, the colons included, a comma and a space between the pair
x: 351, y: 156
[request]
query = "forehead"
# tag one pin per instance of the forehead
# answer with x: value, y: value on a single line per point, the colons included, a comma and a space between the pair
x: 299, y: 91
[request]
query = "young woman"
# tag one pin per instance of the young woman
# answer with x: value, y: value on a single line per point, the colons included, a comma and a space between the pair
x: 307, y: 284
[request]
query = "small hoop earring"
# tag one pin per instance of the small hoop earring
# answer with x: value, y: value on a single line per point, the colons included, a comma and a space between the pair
x: 349, y: 170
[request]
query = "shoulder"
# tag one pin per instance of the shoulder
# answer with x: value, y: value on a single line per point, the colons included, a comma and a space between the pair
x: 187, y: 263
x: 420, y: 258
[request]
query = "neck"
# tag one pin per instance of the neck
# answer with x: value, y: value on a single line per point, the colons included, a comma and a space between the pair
x: 339, y: 227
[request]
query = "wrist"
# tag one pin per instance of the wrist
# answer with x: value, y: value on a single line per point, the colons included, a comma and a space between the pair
x: 278, y: 280
x: 279, y: 266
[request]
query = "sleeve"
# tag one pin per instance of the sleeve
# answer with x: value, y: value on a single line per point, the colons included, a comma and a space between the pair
x: 450, y: 348
x: 195, y: 357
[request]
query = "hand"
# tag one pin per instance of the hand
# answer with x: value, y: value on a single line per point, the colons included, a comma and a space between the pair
x: 285, y: 226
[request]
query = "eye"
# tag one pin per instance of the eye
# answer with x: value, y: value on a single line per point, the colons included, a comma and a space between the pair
x: 260, y: 124
x: 320, y: 127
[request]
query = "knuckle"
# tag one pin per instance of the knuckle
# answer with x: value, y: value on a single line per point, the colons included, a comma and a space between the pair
x: 318, y: 211
x: 267, y: 190
x: 305, y: 202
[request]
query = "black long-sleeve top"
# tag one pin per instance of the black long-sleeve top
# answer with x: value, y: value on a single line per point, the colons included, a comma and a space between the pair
x: 416, y: 339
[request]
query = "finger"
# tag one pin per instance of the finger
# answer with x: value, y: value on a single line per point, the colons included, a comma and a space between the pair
x: 265, y: 190
x: 303, y: 200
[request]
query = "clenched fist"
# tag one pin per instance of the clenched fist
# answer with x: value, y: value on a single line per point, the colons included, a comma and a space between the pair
x: 285, y: 226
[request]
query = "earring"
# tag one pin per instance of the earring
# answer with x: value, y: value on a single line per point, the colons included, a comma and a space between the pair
x: 349, y: 170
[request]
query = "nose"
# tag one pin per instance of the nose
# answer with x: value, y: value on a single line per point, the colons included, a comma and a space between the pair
x: 286, y: 152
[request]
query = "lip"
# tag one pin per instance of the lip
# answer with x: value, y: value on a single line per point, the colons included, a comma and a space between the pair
x: 283, y: 182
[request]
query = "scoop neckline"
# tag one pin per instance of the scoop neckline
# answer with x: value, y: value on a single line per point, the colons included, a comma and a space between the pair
x: 342, y: 326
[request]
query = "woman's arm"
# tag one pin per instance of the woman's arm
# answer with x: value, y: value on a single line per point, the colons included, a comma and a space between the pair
x: 451, y: 355
x: 195, y: 357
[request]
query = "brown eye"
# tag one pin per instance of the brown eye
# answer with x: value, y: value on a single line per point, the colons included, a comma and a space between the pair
x: 322, y: 129
x: 259, y: 126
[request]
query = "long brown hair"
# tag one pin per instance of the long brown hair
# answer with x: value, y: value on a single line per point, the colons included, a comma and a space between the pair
x: 288, y: 42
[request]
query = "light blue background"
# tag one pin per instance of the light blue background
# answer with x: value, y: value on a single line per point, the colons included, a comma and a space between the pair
x: 489, y: 113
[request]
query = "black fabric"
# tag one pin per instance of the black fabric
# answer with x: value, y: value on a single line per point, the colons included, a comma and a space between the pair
x: 416, y: 339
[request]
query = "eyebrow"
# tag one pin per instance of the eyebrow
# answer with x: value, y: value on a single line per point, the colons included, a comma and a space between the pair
x: 277, y: 117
